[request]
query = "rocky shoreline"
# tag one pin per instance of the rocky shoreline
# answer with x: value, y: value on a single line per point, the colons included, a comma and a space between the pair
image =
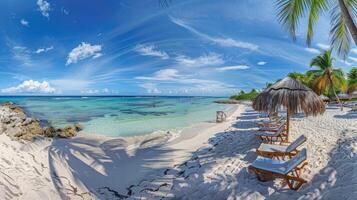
x: 16, y: 124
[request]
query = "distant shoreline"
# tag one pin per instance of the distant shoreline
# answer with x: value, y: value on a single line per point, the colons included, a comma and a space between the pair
x: 153, y: 96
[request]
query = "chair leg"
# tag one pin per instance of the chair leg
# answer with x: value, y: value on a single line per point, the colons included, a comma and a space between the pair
x: 295, y: 183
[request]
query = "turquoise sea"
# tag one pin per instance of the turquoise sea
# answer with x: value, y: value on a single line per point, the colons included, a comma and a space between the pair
x: 121, y: 116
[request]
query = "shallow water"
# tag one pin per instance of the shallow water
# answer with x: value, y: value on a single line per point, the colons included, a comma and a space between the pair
x: 121, y: 116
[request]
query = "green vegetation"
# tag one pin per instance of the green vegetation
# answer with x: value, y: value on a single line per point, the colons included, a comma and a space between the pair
x: 352, y: 81
x: 245, y: 95
x: 327, y: 79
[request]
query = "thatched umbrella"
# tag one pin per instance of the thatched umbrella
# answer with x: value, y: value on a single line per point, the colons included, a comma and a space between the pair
x: 324, y: 98
x: 291, y: 95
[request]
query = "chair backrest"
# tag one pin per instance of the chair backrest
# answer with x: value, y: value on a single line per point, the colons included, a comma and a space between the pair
x: 296, y: 161
x: 299, y: 141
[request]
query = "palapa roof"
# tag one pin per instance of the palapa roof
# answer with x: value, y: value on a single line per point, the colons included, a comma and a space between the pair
x: 292, y: 95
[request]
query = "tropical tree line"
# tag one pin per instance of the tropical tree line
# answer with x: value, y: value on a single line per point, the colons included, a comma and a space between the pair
x: 326, y: 79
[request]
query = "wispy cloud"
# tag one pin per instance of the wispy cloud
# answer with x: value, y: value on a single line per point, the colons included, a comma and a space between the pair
x: 22, y: 54
x: 44, y: 7
x: 42, y: 50
x: 312, y: 50
x: 226, y: 42
x: 151, y: 50
x: 24, y: 22
x: 162, y: 75
x: 261, y: 63
x: 323, y: 46
x: 232, y: 68
x: 83, y: 51
x: 188, y: 84
x: 151, y: 88
x: 30, y: 86
x: 204, y: 60
x: 71, y: 84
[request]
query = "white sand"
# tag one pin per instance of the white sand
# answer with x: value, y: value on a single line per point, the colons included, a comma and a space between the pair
x: 206, y: 161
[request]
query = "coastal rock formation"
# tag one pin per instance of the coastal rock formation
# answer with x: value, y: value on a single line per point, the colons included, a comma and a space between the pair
x: 17, y: 125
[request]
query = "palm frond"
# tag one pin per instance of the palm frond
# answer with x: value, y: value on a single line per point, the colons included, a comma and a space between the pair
x: 339, y: 33
x: 290, y: 12
x: 316, y: 7
x: 322, y: 61
x: 321, y: 83
x: 352, y: 86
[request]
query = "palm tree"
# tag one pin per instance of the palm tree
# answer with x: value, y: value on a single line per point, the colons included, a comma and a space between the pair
x: 298, y: 76
x: 352, y: 80
x: 326, y: 77
x: 342, y: 25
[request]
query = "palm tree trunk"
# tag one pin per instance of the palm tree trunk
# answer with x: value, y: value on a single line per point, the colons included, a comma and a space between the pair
x: 334, y: 91
x: 349, y: 21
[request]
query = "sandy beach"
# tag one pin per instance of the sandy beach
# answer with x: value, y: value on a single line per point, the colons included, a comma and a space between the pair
x: 207, y: 161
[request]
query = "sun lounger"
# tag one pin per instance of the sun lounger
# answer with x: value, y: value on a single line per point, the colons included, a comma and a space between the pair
x: 279, y: 135
x: 273, y: 127
x: 279, y: 151
x: 267, y: 168
x: 271, y: 123
x: 354, y: 108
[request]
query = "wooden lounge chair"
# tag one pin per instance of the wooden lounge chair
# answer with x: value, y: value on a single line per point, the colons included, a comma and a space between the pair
x: 267, y: 168
x: 278, y: 135
x: 273, y: 128
x: 271, y: 124
x: 354, y: 108
x: 279, y: 151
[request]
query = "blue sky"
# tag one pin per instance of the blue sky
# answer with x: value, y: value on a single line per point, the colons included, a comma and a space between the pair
x: 113, y: 47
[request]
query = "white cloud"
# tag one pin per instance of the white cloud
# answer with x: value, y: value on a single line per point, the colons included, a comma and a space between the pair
x: 204, y: 60
x: 64, y: 11
x: 162, y: 75
x: 230, y: 68
x: 226, y: 42
x: 41, y: 50
x: 151, y: 88
x: 151, y: 50
x: 24, y: 22
x: 97, y: 91
x: 44, y: 7
x: 353, y: 58
x: 31, y: 86
x: 312, y: 50
x: 354, y: 50
x: 345, y: 61
x: 261, y: 63
x: 83, y: 51
x: 323, y: 46
x: 90, y: 91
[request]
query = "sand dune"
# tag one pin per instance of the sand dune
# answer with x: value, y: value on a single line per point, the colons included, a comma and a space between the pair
x: 207, y: 161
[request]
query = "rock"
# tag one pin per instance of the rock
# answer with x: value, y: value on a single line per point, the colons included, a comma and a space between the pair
x: 49, y: 132
x: 78, y: 127
x: 15, y: 123
x: 66, y: 132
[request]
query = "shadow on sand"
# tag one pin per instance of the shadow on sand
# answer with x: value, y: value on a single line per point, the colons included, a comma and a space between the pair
x: 348, y: 115
x: 189, y: 180
x: 101, y: 170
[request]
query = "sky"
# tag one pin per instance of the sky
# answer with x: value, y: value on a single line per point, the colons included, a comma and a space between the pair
x: 137, y: 47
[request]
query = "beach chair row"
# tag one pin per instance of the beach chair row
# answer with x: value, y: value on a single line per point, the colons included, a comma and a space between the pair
x: 277, y: 157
